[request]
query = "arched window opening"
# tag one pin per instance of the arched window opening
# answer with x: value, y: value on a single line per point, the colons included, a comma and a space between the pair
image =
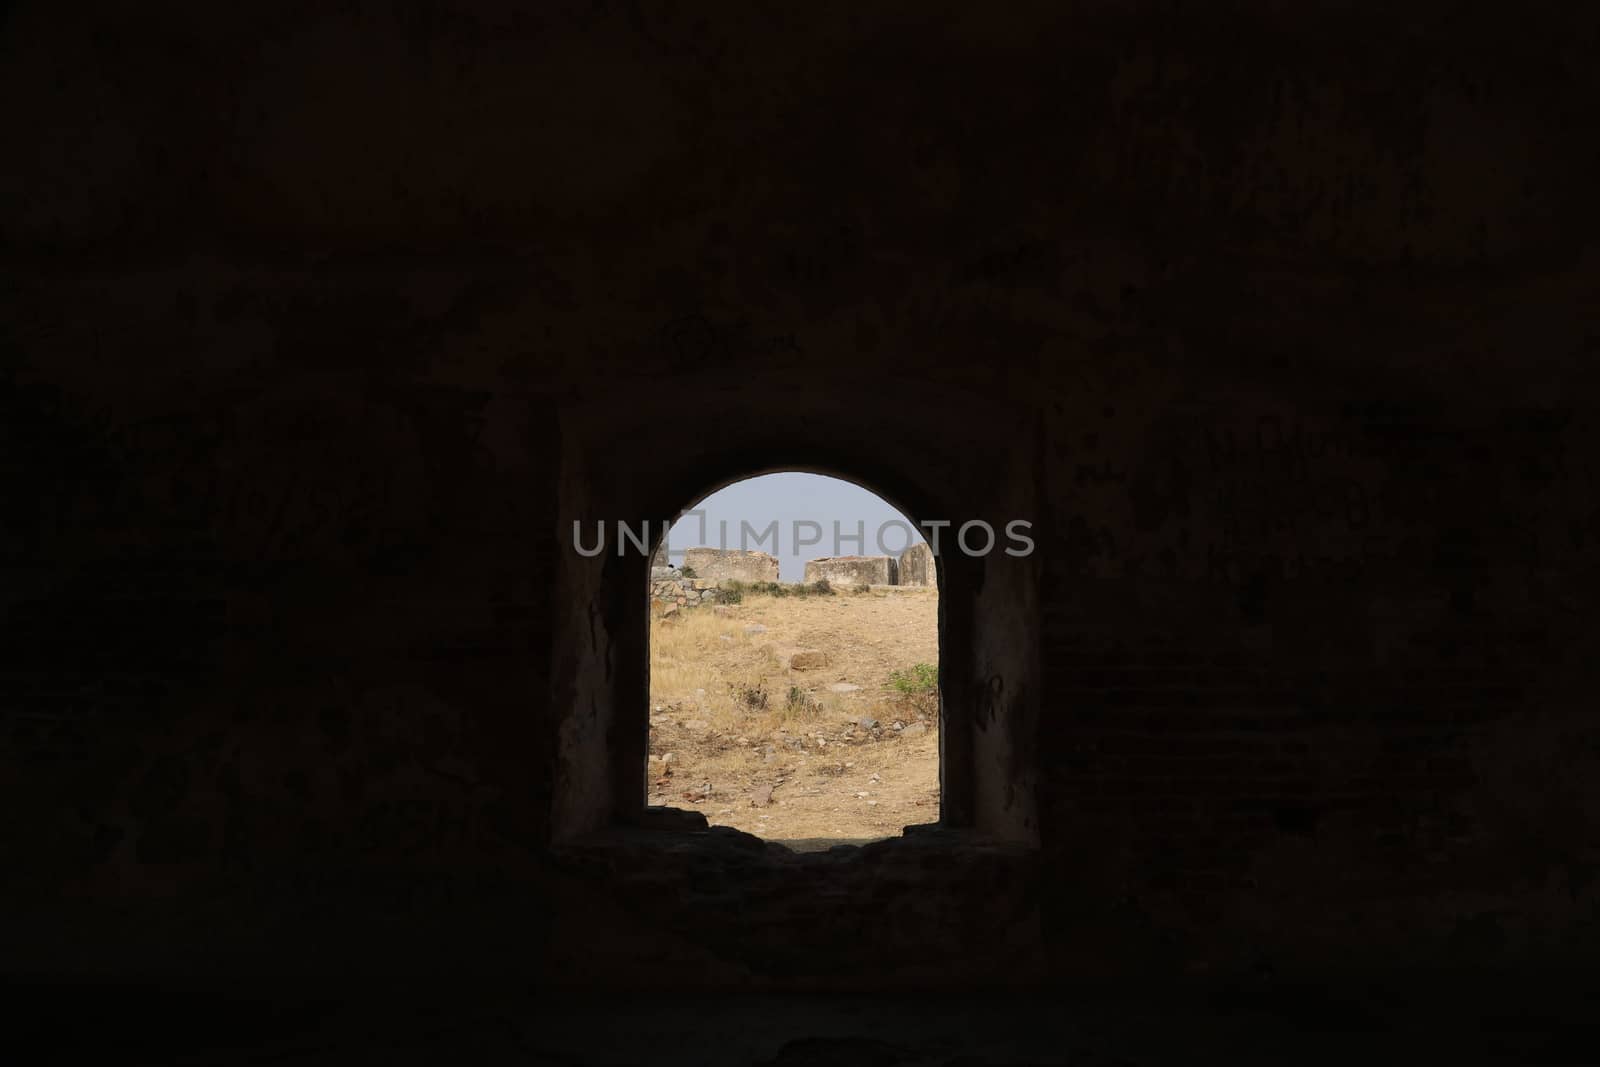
x: 794, y: 652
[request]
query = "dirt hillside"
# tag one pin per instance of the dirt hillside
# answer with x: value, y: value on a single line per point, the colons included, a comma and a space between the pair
x: 779, y: 716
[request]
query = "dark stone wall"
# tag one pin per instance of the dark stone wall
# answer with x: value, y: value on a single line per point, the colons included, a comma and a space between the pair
x: 321, y: 323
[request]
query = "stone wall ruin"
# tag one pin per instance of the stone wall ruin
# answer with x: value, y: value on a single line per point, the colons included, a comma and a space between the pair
x: 670, y: 588
x: 852, y: 570
x: 915, y: 566
x: 730, y: 564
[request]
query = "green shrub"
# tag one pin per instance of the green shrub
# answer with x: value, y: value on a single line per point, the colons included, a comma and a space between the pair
x: 816, y: 588
x: 917, y: 687
x: 755, y: 588
x: 782, y: 589
x: 918, y: 679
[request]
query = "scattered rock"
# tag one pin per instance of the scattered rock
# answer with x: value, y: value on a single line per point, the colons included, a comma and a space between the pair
x: 844, y: 687
x: 696, y: 724
x: 754, y: 628
x: 916, y: 729
x: 867, y: 722
x: 727, y: 638
x: 670, y: 610
x: 761, y: 796
x: 807, y: 659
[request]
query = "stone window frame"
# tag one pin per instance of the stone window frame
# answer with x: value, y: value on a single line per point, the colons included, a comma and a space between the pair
x: 602, y: 743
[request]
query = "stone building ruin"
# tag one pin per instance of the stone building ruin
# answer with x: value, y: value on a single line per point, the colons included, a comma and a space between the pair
x: 852, y: 570
x: 707, y: 571
x: 916, y: 567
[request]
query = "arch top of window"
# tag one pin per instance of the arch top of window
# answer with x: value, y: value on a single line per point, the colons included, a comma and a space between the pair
x: 740, y: 536
x: 915, y: 505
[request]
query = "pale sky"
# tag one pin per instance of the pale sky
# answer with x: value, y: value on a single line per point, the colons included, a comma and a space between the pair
x: 792, y: 498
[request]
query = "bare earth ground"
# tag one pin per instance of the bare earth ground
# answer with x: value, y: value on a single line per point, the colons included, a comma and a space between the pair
x: 725, y: 726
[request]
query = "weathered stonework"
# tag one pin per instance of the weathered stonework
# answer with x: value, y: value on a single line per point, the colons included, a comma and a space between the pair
x: 915, y: 566
x: 728, y: 564
x: 852, y: 570
x: 684, y: 592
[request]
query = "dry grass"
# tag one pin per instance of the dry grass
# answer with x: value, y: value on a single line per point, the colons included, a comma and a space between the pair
x: 736, y: 720
x: 701, y: 659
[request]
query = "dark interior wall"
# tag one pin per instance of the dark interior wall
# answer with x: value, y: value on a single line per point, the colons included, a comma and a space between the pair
x: 322, y: 323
